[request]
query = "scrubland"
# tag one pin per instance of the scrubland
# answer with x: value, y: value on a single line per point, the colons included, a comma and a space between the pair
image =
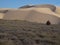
x: 20, y: 32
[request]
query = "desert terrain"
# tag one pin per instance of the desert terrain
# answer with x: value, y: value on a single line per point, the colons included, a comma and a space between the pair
x: 32, y: 13
x: 20, y: 32
x: 28, y: 25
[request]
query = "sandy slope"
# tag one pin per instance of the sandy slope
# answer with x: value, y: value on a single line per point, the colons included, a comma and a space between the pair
x: 1, y: 15
x: 57, y: 10
x: 16, y: 14
x: 34, y: 14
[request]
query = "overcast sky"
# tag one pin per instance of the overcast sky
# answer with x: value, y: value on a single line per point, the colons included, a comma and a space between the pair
x: 19, y: 3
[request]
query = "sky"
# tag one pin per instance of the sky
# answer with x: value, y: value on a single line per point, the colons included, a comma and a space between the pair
x: 19, y: 3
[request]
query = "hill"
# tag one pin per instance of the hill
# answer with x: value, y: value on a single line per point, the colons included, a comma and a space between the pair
x: 19, y: 32
x: 33, y: 13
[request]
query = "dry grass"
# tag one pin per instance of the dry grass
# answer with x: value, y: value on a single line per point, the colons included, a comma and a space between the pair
x: 28, y: 33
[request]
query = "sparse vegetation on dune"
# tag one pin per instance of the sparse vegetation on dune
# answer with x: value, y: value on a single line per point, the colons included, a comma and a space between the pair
x: 27, y: 33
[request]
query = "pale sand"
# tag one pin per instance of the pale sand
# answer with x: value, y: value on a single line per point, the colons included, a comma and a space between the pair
x: 35, y: 14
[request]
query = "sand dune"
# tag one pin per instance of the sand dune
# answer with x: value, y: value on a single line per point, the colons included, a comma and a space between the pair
x: 16, y: 15
x: 33, y: 13
x: 1, y: 15
x: 57, y: 10
x: 42, y: 18
x: 27, y: 25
